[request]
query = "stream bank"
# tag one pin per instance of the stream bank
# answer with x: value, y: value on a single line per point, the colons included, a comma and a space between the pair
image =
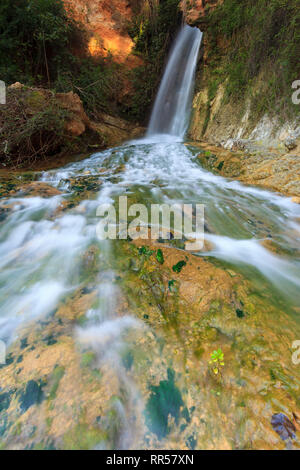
x: 41, y: 129
x: 260, y: 166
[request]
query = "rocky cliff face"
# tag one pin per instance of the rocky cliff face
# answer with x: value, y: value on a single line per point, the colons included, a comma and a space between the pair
x: 234, y: 103
x: 198, y: 9
x: 106, y: 22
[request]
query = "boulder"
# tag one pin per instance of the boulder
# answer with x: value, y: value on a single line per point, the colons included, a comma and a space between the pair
x: 290, y: 143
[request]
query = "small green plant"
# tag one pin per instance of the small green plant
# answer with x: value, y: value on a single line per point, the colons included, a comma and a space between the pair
x: 87, y: 358
x: 171, y: 285
x: 217, y: 361
x: 178, y: 267
x: 57, y: 375
x: 145, y: 251
x: 239, y: 313
x: 160, y: 256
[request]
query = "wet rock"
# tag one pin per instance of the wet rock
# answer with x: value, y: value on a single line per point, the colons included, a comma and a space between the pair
x: 9, y: 361
x: 275, y: 170
x: 24, y: 343
x: 165, y: 400
x: 5, y: 399
x: 38, y: 188
x: 290, y: 143
x: 50, y: 340
x: 283, y: 426
x: 32, y: 395
x: 239, y: 144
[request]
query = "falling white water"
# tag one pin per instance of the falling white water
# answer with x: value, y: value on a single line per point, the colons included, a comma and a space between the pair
x: 172, y: 106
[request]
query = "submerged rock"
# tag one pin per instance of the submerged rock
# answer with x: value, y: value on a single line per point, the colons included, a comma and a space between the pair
x: 290, y: 143
x: 283, y: 426
x: 32, y: 395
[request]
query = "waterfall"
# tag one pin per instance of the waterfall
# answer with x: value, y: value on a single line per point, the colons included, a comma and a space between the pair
x: 172, y: 106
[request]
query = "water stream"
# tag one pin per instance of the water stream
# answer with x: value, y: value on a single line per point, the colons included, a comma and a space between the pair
x: 42, y: 240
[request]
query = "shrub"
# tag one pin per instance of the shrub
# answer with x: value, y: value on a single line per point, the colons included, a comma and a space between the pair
x: 35, y: 40
x: 31, y: 127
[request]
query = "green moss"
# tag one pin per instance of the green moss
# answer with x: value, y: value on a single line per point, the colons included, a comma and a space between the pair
x: 83, y: 437
x: 35, y: 101
x: 87, y: 358
x: 239, y: 313
x: 160, y: 256
x: 164, y: 400
x: 57, y: 375
x: 32, y: 395
x: 178, y: 267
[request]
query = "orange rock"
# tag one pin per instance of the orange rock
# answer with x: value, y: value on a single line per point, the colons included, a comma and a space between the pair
x: 106, y: 21
x: 77, y: 123
x: 296, y: 199
x: 198, y: 9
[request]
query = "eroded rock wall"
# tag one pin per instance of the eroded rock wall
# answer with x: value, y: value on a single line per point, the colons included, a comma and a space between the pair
x: 235, y: 121
x: 106, y: 22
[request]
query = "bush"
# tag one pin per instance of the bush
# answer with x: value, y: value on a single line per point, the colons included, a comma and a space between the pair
x: 31, y: 127
x: 98, y: 81
x: 35, y: 40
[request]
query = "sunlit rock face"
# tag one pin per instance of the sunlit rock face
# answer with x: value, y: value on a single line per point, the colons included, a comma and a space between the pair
x: 197, y: 8
x: 106, y: 21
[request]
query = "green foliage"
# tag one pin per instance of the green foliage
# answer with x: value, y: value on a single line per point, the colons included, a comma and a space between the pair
x: 58, y: 373
x: 261, y: 36
x: 160, y: 256
x: 98, y: 82
x: 217, y: 361
x: 178, y: 267
x: 87, y: 358
x: 145, y: 251
x: 152, y: 33
x: 239, y: 313
x: 35, y: 38
x: 37, y: 43
x: 31, y: 127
